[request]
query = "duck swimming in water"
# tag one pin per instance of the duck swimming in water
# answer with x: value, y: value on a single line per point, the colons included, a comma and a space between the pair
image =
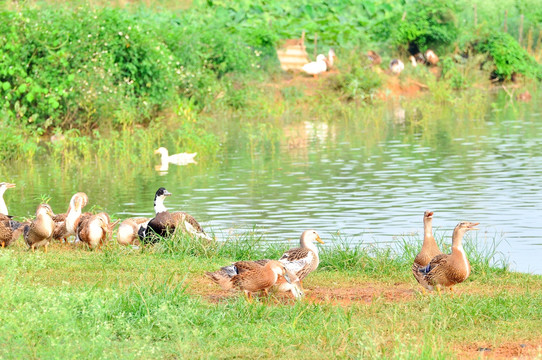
x: 176, y: 159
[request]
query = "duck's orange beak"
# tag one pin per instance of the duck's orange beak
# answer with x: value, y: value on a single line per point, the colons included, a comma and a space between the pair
x: 472, y: 226
x: 319, y: 240
x: 9, y: 186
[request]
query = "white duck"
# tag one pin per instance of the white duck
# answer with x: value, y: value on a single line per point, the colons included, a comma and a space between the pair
x: 177, y: 159
x: 396, y: 66
x: 3, y: 187
x: 316, y: 67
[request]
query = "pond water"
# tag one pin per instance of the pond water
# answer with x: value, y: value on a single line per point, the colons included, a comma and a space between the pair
x: 371, y: 180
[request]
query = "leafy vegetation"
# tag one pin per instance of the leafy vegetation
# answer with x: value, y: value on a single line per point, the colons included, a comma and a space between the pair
x: 509, y: 57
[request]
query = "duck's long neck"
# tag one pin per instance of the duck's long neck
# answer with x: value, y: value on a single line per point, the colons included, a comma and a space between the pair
x: 73, y: 214
x: 3, y: 207
x: 457, y: 248
x: 457, y: 239
x: 159, y: 205
x: 428, y: 239
x: 309, y: 245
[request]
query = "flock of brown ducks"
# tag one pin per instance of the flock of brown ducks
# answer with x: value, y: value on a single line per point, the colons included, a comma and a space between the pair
x: 432, y: 268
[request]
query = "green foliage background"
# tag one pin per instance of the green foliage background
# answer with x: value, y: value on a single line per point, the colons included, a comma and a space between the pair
x: 93, y: 67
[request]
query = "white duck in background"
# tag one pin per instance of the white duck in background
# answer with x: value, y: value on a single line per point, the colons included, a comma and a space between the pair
x: 177, y: 159
x: 330, y: 59
x: 396, y: 66
x: 316, y: 67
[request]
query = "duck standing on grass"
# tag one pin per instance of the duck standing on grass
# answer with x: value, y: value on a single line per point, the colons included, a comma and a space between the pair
x: 429, y: 249
x: 302, y: 260
x: 93, y: 230
x: 165, y: 223
x: 316, y: 67
x: 3, y: 187
x: 223, y: 277
x: 10, y: 230
x: 66, y: 224
x: 128, y: 230
x: 396, y: 66
x: 40, y: 231
x: 259, y: 278
x: 447, y: 270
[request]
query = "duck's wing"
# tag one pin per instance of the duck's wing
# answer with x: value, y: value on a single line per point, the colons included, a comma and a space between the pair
x: 182, y: 217
x: 82, y: 233
x: 297, y: 259
x: 435, y: 268
x: 60, y: 217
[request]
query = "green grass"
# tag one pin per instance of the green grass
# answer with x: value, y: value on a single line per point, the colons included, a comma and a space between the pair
x: 132, y: 304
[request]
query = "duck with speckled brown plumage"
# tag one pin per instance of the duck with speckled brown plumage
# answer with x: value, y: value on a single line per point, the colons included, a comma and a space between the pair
x: 429, y: 249
x: 94, y: 230
x: 303, y: 260
x: 447, y: 270
x: 40, y: 231
x: 128, y: 229
x: 66, y: 224
x: 260, y: 278
x: 224, y: 275
x: 10, y: 230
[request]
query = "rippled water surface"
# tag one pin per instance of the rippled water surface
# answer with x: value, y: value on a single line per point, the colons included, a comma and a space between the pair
x: 370, y: 181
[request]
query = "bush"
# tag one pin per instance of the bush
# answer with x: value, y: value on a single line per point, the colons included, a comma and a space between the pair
x: 428, y: 24
x: 509, y: 57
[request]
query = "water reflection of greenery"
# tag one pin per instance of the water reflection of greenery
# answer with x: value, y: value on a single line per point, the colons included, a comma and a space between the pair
x: 118, y: 169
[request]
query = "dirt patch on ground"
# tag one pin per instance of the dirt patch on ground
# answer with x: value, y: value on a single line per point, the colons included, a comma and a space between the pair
x: 343, y: 296
x: 509, y: 350
x: 360, y: 294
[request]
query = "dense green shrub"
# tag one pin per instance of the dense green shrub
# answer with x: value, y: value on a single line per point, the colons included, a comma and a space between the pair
x: 81, y: 67
x: 509, y: 57
x: 426, y: 23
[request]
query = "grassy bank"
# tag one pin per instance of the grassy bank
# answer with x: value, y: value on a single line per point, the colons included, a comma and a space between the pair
x: 362, y: 302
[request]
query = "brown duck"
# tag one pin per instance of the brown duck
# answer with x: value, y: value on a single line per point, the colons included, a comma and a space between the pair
x: 223, y: 277
x: 94, y: 230
x: 259, y: 278
x: 165, y: 223
x: 128, y: 229
x: 65, y: 224
x: 429, y: 249
x: 446, y: 270
x: 40, y: 231
x: 10, y: 230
